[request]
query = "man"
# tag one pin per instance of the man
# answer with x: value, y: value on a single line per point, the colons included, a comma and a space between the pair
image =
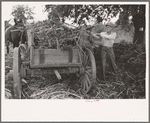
x: 107, y: 42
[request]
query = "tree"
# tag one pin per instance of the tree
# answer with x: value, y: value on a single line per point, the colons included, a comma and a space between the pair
x: 102, y: 13
x: 80, y: 12
x: 138, y: 18
x: 139, y: 24
x: 22, y: 12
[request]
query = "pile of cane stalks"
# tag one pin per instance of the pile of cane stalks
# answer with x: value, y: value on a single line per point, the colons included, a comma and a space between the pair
x: 39, y: 87
x: 51, y: 36
x: 128, y: 83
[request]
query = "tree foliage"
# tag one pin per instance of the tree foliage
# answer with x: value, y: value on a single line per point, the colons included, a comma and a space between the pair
x: 22, y: 12
x: 101, y: 13
x: 79, y: 12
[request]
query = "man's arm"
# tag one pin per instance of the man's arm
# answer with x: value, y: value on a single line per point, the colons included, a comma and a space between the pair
x: 110, y: 36
x: 94, y: 34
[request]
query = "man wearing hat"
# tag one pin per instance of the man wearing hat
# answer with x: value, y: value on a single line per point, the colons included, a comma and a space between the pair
x: 107, y: 41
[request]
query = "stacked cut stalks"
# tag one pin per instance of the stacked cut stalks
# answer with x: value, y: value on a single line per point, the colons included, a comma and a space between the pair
x: 51, y: 35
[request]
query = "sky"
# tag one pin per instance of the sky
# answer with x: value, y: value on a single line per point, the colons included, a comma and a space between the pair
x: 38, y: 10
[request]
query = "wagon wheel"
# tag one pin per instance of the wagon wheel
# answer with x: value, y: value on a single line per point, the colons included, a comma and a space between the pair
x: 89, y: 76
x: 16, y: 73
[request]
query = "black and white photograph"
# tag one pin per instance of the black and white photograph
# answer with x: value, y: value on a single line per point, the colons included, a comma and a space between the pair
x: 91, y: 51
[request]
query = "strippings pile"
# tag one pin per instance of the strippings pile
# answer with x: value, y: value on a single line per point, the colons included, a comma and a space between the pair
x: 39, y: 87
x: 130, y: 79
x: 132, y: 62
x: 8, y: 94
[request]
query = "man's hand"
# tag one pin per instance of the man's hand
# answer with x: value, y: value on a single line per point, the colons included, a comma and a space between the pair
x: 95, y: 35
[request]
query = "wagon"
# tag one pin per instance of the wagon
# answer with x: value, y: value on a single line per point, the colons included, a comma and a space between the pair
x: 52, y: 61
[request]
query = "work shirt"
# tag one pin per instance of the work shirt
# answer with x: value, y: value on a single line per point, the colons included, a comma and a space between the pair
x: 108, y: 39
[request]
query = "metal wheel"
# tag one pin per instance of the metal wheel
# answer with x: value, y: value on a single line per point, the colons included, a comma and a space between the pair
x: 16, y: 73
x: 89, y: 76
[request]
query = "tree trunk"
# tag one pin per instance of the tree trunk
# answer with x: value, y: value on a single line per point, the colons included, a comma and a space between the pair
x: 139, y: 24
